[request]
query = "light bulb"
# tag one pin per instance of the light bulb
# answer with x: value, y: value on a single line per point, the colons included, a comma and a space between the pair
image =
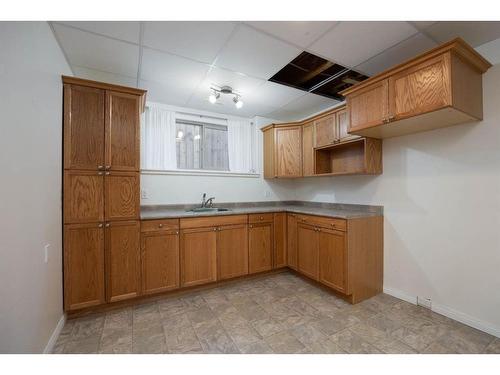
x: 180, y: 134
x: 212, y: 98
x: 237, y: 102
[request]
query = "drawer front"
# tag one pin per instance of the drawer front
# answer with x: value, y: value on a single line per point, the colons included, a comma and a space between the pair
x: 163, y: 225
x: 210, y: 221
x: 260, y: 218
x: 322, y: 221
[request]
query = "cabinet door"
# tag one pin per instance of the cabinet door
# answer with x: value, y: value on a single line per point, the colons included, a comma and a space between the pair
x: 122, y: 196
x: 332, y: 259
x: 83, y: 127
x: 160, y: 261
x: 198, y: 256
x: 343, y: 126
x: 122, y: 260
x: 83, y: 196
x: 368, y: 107
x: 280, y: 240
x: 83, y: 266
x: 420, y: 89
x: 291, y: 228
x: 308, y: 149
x: 260, y: 247
x: 232, y: 251
x: 325, y: 131
x: 308, y: 252
x: 289, y: 151
x: 269, y: 154
x: 122, y: 131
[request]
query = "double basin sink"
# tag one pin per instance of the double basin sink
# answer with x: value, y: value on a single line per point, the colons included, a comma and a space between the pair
x: 208, y: 209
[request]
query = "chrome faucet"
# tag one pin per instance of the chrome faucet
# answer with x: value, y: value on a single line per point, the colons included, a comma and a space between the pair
x: 207, y: 202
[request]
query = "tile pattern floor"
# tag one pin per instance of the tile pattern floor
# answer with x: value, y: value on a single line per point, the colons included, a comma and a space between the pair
x: 279, y: 313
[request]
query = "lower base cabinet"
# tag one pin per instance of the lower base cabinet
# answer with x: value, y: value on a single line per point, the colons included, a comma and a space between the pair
x: 280, y: 240
x: 308, y: 250
x: 123, y: 260
x: 332, y: 258
x: 198, y: 256
x: 260, y: 247
x: 232, y: 251
x: 83, y: 266
x: 160, y: 261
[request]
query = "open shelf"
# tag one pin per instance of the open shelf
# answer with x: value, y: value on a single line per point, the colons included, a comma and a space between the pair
x: 360, y: 156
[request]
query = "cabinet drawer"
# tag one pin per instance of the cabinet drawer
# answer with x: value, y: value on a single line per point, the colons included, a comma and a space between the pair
x: 163, y: 225
x: 210, y: 221
x: 325, y: 222
x: 260, y: 218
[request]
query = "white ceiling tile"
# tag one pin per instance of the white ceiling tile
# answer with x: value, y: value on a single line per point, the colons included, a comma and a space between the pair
x: 164, y: 93
x: 405, y: 50
x: 256, y: 54
x: 200, y: 41
x: 176, y: 74
x: 274, y: 94
x: 97, y: 52
x: 309, y: 104
x: 490, y: 51
x: 300, y: 33
x: 475, y: 33
x: 241, y: 83
x: 123, y: 30
x: 97, y: 75
x: 283, y: 115
x: 354, y: 42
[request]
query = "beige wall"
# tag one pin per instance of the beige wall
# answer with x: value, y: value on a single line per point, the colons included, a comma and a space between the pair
x: 441, y: 193
x: 31, y: 65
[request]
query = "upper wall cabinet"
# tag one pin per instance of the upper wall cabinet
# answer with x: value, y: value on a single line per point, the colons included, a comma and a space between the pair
x: 440, y: 88
x: 283, y: 151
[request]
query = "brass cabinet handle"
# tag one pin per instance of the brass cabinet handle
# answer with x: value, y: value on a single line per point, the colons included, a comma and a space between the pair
x: 100, y: 225
x: 108, y: 225
x: 160, y: 226
x: 108, y: 173
x: 99, y: 173
x: 108, y: 166
x: 100, y: 167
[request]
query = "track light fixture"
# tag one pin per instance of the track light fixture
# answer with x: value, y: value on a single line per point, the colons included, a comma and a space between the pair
x: 215, y: 95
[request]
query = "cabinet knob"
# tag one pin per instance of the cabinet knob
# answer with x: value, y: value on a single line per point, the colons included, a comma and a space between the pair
x: 176, y: 232
x: 261, y: 218
x: 215, y: 229
x: 251, y: 226
x: 108, y: 225
x: 100, y: 167
x: 100, y: 225
x: 160, y: 226
x: 108, y: 166
x: 99, y: 173
x: 108, y: 173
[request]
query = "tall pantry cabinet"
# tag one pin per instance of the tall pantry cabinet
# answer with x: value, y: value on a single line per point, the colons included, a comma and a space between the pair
x: 101, y: 197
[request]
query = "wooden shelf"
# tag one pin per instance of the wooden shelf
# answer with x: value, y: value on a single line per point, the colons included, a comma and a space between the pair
x: 360, y: 156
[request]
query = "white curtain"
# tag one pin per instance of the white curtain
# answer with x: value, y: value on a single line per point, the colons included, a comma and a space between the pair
x: 239, y: 142
x: 158, y: 149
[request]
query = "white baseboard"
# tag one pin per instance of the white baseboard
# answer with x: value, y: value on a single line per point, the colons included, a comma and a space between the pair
x: 55, y: 335
x: 448, y: 312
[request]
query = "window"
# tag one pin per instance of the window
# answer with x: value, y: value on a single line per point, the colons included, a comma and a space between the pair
x: 179, y: 142
x: 201, y: 146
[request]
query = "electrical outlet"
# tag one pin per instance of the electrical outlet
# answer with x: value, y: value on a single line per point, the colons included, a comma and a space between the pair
x: 144, y: 194
x: 424, y: 302
x: 46, y: 253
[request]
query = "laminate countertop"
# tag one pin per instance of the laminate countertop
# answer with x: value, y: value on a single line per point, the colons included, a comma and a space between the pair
x: 336, y: 210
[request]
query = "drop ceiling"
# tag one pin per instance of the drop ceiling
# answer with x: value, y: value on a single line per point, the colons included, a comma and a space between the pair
x: 177, y: 62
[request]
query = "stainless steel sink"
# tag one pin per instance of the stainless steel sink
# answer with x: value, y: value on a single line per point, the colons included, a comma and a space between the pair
x: 208, y: 209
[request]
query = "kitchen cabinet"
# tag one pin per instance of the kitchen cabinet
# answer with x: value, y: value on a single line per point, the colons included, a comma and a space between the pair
x: 83, y: 196
x: 439, y: 88
x: 291, y: 228
x: 122, y: 131
x: 342, y: 120
x: 159, y: 258
x: 198, y: 252
x: 260, y: 247
x: 325, y: 131
x: 283, y: 151
x: 123, y: 270
x: 83, y: 127
x: 332, y: 258
x: 232, y: 251
x: 280, y: 240
x: 308, y: 250
x: 83, y: 266
x: 122, y: 196
x: 308, y: 149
